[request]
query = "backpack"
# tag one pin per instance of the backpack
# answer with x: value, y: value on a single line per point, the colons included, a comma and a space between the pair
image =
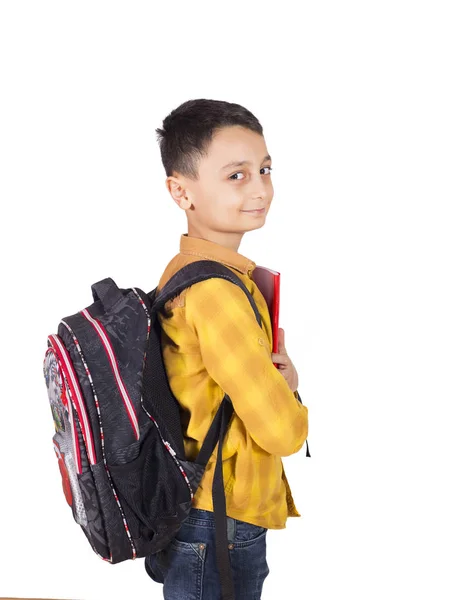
x: 118, y: 436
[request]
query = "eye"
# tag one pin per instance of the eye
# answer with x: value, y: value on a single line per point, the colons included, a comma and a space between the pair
x: 240, y: 172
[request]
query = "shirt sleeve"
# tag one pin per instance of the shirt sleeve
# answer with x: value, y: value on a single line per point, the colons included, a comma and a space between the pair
x: 236, y: 354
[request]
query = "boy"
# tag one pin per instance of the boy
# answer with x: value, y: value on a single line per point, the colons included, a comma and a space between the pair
x: 219, y: 172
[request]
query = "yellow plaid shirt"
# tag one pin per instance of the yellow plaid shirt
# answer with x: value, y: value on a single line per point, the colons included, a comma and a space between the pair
x: 212, y: 344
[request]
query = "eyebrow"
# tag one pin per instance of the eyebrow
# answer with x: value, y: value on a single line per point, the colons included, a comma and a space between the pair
x: 239, y: 163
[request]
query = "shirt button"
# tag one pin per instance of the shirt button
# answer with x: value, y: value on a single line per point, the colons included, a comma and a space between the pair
x: 261, y: 341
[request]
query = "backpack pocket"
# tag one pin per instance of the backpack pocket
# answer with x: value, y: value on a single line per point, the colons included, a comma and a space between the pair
x: 149, y: 482
x: 69, y: 442
x: 64, y: 392
x: 65, y: 440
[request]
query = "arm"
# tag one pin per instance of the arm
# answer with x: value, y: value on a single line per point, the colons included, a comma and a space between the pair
x: 236, y: 354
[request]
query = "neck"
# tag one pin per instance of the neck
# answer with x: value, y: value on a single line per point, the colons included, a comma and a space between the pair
x: 228, y: 239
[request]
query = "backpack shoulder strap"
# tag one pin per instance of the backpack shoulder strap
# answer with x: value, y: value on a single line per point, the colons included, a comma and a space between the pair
x: 184, y: 278
x: 193, y: 273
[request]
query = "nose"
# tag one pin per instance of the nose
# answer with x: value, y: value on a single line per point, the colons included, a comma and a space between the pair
x: 261, y: 187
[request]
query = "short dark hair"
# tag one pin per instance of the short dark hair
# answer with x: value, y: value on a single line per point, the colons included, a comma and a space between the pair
x: 187, y: 132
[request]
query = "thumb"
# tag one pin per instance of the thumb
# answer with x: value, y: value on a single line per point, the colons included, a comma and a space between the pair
x: 281, y: 344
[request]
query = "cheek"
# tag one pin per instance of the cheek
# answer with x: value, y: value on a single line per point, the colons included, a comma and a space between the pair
x: 234, y: 200
x: 229, y: 202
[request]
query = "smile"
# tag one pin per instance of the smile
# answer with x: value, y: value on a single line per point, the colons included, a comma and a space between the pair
x: 256, y: 211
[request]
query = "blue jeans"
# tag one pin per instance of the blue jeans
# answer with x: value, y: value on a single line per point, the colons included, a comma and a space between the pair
x: 187, y: 566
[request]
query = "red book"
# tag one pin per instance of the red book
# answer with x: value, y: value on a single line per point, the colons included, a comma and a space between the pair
x: 268, y: 282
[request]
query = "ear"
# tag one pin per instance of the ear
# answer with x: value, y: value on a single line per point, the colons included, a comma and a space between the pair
x: 178, y: 192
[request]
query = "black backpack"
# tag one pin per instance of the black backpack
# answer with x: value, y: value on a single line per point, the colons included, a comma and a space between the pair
x: 118, y: 435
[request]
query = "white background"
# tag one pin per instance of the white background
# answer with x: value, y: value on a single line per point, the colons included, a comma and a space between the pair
x: 357, y: 101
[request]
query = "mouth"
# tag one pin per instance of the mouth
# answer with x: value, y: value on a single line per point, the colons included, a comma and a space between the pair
x: 255, y: 211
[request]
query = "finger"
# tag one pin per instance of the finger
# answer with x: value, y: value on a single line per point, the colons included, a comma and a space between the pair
x: 281, y: 359
x: 281, y: 340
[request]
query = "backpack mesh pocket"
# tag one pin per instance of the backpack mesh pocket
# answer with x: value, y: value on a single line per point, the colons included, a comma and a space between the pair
x: 151, y: 485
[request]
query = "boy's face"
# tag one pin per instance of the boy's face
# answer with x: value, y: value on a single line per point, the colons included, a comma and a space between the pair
x: 221, y: 198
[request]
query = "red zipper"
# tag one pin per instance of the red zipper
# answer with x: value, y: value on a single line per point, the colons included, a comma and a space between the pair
x: 67, y: 367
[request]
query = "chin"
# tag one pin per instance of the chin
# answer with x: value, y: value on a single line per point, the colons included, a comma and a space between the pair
x: 258, y: 225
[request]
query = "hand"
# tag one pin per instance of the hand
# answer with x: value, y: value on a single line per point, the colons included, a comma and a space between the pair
x: 285, y: 365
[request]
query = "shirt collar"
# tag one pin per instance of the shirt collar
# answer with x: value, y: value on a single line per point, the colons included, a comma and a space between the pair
x: 208, y: 250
